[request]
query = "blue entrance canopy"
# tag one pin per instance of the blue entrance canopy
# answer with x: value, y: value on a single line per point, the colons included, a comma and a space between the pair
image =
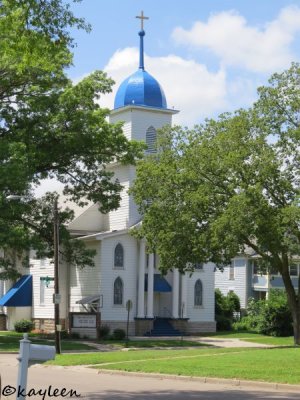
x: 20, y: 295
x: 160, y: 284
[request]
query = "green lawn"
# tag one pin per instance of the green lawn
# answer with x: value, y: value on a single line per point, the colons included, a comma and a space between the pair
x: 12, y: 343
x: 275, y: 341
x: 130, y: 356
x: 272, y: 365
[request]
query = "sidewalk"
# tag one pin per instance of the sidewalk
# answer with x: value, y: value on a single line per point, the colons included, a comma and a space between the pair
x: 210, y: 340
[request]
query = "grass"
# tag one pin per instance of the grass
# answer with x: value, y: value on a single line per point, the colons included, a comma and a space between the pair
x: 271, y: 365
x: 10, y: 343
x: 274, y: 341
x: 129, y: 356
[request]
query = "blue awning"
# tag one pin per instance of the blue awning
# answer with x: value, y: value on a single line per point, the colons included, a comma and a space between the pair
x: 20, y: 295
x: 160, y: 284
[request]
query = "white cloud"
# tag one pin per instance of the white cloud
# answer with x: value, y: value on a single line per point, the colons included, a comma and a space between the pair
x: 188, y: 85
x: 229, y: 36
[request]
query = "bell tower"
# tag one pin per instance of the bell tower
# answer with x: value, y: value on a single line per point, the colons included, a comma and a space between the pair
x: 141, y: 104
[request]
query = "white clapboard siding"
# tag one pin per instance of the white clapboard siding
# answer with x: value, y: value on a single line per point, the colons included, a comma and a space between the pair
x: 128, y: 274
x: 238, y: 284
x: 90, y: 220
x: 125, y: 117
x: 86, y: 281
x: 138, y: 119
x: 206, y: 312
x: 118, y: 219
x: 42, y: 269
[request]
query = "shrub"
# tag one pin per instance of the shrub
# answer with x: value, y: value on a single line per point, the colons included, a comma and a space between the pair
x: 271, y: 317
x: 245, y: 324
x: 24, y: 325
x: 225, y: 308
x: 119, y: 334
x: 74, y: 335
x: 276, y: 317
x: 223, y: 323
x: 103, y: 332
x: 233, y: 302
x: 64, y: 334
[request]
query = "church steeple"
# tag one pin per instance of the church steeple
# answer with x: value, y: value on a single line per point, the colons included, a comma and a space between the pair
x: 140, y: 88
x: 141, y: 35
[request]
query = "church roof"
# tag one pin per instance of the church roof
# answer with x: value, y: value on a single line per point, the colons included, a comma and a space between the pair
x: 140, y: 88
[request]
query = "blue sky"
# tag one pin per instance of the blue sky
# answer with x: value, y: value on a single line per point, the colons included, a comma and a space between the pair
x: 209, y: 56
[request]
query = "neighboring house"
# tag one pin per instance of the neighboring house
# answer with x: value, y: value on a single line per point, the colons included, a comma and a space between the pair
x: 123, y: 270
x: 244, y: 278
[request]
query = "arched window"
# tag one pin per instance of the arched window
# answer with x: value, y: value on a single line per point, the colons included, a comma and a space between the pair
x: 198, y: 293
x: 151, y: 140
x: 118, y: 291
x: 119, y: 256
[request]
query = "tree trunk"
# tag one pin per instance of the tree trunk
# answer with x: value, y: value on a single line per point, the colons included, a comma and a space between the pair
x: 292, y: 301
x: 296, y: 326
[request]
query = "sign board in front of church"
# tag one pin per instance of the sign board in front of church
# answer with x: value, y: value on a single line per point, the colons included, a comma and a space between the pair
x: 84, y: 320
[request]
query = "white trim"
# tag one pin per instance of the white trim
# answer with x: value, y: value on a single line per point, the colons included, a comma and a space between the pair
x: 143, y: 108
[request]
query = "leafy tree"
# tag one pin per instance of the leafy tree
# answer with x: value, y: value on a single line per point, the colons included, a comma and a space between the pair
x: 50, y: 127
x: 229, y: 186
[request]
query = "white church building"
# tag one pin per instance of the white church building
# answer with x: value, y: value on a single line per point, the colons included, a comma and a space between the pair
x: 123, y: 270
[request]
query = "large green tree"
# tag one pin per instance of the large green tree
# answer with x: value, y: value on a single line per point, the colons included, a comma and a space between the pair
x: 230, y: 186
x: 50, y: 127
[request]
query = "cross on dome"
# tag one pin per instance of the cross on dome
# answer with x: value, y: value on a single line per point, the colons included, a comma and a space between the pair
x: 142, y: 17
x: 140, y: 88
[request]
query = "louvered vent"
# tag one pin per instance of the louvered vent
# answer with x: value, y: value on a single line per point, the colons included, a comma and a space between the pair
x: 151, y: 140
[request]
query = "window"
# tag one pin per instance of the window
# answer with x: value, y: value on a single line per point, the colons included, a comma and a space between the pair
x: 231, y: 271
x: 255, y: 268
x: 151, y: 140
x: 198, y: 266
x: 118, y: 291
x: 198, y: 293
x: 42, y: 291
x: 294, y: 270
x: 119, y: 256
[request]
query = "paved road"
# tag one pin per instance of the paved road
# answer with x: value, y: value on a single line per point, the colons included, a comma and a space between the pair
x: 92, y: 385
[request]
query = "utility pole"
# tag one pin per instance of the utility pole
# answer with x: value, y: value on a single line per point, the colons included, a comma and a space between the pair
x: 56, y: 283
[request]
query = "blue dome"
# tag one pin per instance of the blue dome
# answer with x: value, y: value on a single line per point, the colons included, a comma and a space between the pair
x: 140, y: 89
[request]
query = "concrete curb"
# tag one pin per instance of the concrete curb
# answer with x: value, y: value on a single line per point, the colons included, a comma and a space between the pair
x: 278, y: 387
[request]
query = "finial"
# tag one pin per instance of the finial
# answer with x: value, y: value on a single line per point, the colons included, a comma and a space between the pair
x: 142, y: 34
x: 141, y: 17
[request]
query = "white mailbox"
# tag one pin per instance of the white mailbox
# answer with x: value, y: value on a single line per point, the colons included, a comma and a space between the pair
x: 39, y: 352
x: 30, y: 352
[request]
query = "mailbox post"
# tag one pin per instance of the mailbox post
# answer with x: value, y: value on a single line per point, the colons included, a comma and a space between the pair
x: 28, y: 353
